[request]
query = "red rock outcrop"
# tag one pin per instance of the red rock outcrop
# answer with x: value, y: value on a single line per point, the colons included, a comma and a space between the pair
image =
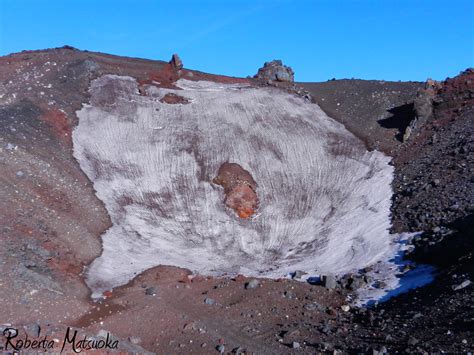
x: 174, y: 99
x: 239, y: 188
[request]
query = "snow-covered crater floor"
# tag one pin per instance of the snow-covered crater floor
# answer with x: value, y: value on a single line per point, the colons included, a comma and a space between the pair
x: 324, y: 199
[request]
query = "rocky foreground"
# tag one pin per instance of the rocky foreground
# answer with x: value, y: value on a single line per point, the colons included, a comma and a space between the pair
x: 51, y: 222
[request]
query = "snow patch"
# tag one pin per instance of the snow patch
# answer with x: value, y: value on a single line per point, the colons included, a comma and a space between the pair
x: 324, y: 199
x: 391, y: 273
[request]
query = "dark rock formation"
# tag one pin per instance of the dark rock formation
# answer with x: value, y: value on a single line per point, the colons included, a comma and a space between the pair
x: 423, y: 106
x: 433, y: 179
x: 443, y: 99
x: 275, y: 71
x: 176, y: 62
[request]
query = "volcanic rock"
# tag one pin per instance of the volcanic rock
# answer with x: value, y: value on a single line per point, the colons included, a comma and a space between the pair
x: 298, y: 274
x: 423, y: 106
x: 441, y: 146
x: 329, y: 281
x: 275, y: 71
x: 174, y: 99
x: 176, y: 62
x: 462, y: 285
x: 254, y: 283
x: 239, y: 187
x: 150, y: 291
x: 209, y: 301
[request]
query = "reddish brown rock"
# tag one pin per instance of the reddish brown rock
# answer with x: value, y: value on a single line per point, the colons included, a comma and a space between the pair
x: 174, y: 99
x: 243, y: 200
x: 240, y: 189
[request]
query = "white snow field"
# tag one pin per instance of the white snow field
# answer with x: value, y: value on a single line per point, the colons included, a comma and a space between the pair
x: 324, y: 199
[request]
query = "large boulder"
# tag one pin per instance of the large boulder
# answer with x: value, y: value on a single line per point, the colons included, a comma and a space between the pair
x: 239, y: 188
x: 423, y: 105
x: 176, y: 62
x: 275, y: 71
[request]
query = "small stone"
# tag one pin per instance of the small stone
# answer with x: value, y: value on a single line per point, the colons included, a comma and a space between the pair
x: 238, y: 351
x: 240, y: 278
x: 150, y: 291
x: 135, y: 340
x: 355, y: 283
x: 327, y: 346
x: 329, y: 281
x: 345, y: 308
x: 254, y: 283
x: 33, y: 329
x: 418, y: 315
x: 298, y: 274
x: 20, y: 173
x: 220, y: 348
x: 413, y: 341
x: 102, y: 333
x: 9, y: 332
x: 380, y: 284
x: 209, y: 301
x: 295, y: 345
x: 368, y: 279
x: 462, y: 285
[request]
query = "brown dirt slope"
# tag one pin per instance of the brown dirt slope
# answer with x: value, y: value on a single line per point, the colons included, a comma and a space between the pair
x: 375, y: 111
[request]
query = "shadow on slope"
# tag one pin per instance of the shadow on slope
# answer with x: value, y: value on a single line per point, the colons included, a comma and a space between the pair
x: 402, y: 116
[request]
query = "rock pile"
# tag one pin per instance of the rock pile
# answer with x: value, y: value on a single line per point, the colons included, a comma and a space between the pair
x: 275, y: 71
x: 442, y: 99
x: 432, y: 183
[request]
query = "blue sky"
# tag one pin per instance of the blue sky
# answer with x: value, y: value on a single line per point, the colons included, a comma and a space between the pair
x: 379, y: 39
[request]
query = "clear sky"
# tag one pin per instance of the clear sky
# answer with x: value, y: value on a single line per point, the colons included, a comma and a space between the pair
x: 378, y: 39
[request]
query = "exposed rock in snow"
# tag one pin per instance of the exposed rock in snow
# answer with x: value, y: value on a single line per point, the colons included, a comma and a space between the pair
x: 324, y: 199
x: 174, y: 99
x: 240, y: 189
